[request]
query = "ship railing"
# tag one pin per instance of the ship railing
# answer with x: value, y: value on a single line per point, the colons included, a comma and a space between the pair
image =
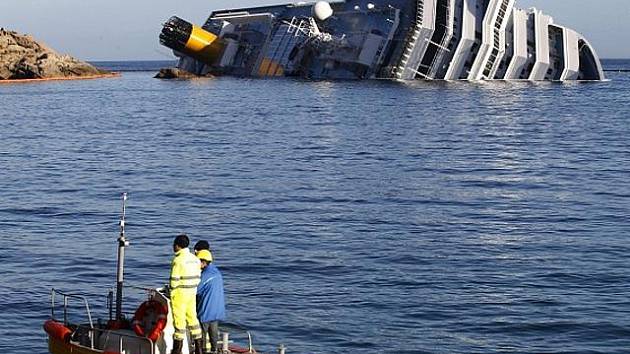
x: 227, y: 329
x: 140, y: 294
x: 498, y: 26
x: 276, y: 50
x: 225, y: 340
x: 110, y: 298
x: 442, y: 45
x: 149, y: 290
x: 83, y: 297
x: 66, y: 297
x: 442, y: 49
x: 411, y: 40
x: 86, y: 333
x: 301, y: 26
x: 142, y: 342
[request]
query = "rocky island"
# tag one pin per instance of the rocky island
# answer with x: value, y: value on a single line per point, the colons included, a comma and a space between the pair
x: 176, y: 73
x: 23, y: 58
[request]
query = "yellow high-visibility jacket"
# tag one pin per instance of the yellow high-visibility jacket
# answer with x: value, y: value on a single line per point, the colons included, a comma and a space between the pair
x: 185, y: 272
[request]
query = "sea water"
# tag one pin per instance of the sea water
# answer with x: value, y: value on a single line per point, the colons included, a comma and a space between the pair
x: 346, y: 216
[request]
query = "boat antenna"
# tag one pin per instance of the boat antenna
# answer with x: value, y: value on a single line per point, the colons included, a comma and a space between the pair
x: 122, y: 243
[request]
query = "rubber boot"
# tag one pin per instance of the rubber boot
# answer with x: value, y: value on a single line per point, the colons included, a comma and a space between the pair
x: 198, y: 346
x: 177, y: 346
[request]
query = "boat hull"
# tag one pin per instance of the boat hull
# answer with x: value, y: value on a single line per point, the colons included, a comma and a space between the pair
x: 88, y: 339
x: 57, y: 346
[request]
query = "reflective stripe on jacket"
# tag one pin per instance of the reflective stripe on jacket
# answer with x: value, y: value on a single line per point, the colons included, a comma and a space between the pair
x: 185, y: 271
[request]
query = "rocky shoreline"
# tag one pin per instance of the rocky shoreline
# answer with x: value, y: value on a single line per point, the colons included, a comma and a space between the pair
x: 178, y: 74
x: 22, y: 58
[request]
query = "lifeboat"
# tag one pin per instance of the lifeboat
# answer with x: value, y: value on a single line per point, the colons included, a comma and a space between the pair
x: 149, y: 329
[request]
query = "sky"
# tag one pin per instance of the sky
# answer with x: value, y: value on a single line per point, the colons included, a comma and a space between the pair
x: 129, y: 29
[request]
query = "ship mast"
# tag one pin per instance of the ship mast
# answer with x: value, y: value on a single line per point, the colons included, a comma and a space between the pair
x: 122, y: 242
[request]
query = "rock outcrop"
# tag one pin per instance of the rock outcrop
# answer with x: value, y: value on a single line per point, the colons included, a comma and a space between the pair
x: 176, y: 73
x: 21, y: 57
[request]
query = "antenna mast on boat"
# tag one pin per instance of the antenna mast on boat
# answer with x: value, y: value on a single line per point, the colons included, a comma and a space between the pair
x: 122, y: 242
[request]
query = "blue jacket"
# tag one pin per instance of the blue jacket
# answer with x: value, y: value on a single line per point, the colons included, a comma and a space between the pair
x: 210, y: 297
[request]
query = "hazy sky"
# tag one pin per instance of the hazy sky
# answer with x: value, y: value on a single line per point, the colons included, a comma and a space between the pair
x: 128, y: 29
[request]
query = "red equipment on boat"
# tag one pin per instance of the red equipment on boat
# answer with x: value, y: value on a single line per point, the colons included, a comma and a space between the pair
x: 156, y: 309
x: 57, y: 330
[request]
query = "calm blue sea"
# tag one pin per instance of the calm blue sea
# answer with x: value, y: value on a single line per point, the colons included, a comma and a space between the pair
x: 347, y: 217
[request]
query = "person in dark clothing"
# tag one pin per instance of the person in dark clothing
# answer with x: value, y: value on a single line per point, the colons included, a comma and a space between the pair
x: 201, y: 245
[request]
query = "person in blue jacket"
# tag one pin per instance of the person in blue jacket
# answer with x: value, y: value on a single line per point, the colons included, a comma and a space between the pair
x: 210, y: 301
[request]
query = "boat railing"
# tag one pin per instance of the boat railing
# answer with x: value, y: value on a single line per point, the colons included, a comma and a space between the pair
x: 138, y: 293
x: 83, y: 297
x: 225, y: 340
x: 88, y: 333
x: 122, y: 348
x: 66, y: 297
x: 150, y: 291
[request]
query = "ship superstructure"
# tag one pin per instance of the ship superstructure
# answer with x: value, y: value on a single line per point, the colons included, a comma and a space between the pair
x: 393, y: 39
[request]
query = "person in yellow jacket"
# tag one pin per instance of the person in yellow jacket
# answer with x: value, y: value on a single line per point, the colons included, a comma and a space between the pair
x: 185, y: 275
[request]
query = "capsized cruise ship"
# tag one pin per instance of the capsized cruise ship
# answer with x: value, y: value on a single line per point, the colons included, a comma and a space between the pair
x: 384, y: 39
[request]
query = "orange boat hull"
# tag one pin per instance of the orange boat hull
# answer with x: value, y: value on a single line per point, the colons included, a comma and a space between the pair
x: 56, y: 346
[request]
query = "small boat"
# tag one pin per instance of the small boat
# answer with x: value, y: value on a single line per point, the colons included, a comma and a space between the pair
x: 149, y: 331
